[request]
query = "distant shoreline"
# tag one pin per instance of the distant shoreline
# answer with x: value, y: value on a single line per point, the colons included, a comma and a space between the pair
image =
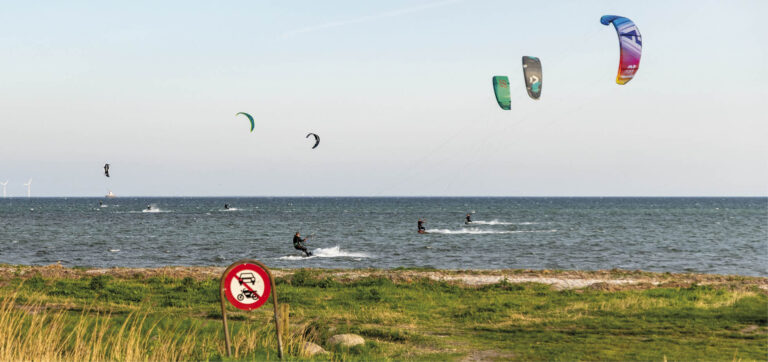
x: 9, y: 197
x: 615, y: 279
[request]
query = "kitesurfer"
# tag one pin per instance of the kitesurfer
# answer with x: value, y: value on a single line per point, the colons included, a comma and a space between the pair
x: 297, y: 244
x: 149, y: 207
x: 421, y: 227
x: 469, y: 219
x: 100, y: 203
x: 226, y: 206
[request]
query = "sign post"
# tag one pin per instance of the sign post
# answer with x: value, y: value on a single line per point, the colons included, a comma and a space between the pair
x: 247, y: 284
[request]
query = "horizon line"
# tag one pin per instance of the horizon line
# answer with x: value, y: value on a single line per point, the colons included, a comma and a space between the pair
x: 395, y: 196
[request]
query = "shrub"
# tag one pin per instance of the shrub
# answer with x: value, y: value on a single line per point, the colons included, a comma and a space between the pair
x: 98, y: 282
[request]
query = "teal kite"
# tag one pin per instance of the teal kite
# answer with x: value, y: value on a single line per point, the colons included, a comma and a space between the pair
x: 501, y: 89
x: 250, y: 118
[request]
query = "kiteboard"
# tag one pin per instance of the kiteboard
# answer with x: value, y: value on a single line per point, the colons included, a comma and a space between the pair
x: 300, y: 255
x: 423, y: 232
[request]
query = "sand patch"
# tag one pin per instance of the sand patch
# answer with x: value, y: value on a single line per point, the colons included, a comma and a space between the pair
x: 607, y: 280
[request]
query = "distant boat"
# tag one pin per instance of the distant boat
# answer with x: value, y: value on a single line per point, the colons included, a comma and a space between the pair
x: 110, y: 195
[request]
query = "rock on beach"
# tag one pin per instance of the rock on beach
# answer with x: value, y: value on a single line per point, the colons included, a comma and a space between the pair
x: 347, y: 340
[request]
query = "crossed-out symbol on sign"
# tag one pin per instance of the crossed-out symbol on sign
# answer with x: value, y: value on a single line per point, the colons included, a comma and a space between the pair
x: 248, y: 292
x: 246, y: 285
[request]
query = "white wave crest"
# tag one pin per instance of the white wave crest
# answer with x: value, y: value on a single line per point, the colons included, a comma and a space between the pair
x: 154, y: 210
x: 230, y: 209
x: 478, y: 231
x: 492, y: 222
x: 332, y: 252
x: 336, y: 251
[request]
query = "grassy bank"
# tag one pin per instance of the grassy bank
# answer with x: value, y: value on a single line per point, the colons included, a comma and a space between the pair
x: 49, y: 313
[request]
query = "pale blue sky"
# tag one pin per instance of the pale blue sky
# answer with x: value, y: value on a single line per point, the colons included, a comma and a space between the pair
x: 399, y: 91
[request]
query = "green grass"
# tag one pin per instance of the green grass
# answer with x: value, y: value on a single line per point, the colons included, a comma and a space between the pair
x: 424, y: 319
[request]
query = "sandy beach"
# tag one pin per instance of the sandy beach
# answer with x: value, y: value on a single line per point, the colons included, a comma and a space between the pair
x: 559, y: 279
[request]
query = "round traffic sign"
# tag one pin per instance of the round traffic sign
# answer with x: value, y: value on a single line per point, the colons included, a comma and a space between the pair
x: 247, y: 286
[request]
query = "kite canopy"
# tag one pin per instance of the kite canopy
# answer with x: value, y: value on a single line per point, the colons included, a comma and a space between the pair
x: 631, y: 44
x: 533, y: 76
x: 253, y: 124
x: 501, y: 89
x: 317, y: 139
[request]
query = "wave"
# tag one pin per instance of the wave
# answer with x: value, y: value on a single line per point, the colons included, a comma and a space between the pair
x: 332, y: 252
x: 230, y: 209
x: 114, y: 250
x: 337, y: 252
x: 497, y: 222
x: 492, y: 222
x: 478, y: 231
x: 295, y: 257
x: 153, y: 210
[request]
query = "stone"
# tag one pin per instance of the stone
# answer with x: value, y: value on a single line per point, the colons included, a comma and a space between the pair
x: 347, y: 340
x: 310, y: 349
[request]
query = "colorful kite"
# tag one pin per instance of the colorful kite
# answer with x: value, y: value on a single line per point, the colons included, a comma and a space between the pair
x: 631, y: 44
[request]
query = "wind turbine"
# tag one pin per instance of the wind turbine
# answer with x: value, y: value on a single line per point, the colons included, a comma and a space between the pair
x: 4, y: 184
x: 29, y: 188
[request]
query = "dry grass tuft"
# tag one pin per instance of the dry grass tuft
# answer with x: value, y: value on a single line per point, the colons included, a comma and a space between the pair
x: 34, y: 332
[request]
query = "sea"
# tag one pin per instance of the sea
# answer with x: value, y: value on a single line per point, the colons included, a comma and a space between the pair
x: 702, y: 235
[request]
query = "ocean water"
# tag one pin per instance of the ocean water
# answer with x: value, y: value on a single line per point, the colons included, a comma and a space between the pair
x: 706, y: 235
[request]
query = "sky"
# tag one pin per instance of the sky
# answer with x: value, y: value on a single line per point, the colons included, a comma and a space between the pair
x: 399, y: 91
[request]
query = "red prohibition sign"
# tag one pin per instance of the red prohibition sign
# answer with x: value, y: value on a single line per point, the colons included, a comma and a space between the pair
x: 247, y: 286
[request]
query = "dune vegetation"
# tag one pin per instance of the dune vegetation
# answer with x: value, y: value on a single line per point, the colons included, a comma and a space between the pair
x: 75, y: 314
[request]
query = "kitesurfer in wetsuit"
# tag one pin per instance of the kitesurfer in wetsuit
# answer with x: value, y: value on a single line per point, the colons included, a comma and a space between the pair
x: 226, y: 206
x: 420, y: 225
x: 469, y: 219
x: 297, y: 244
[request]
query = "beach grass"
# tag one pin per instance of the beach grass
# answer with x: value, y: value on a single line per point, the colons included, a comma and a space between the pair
x: 134, y: 317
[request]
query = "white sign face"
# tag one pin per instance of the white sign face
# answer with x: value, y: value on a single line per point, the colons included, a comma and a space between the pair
x: 247, y: 286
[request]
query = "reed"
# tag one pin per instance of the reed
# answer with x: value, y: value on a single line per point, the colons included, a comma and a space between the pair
x: 32, y: 331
